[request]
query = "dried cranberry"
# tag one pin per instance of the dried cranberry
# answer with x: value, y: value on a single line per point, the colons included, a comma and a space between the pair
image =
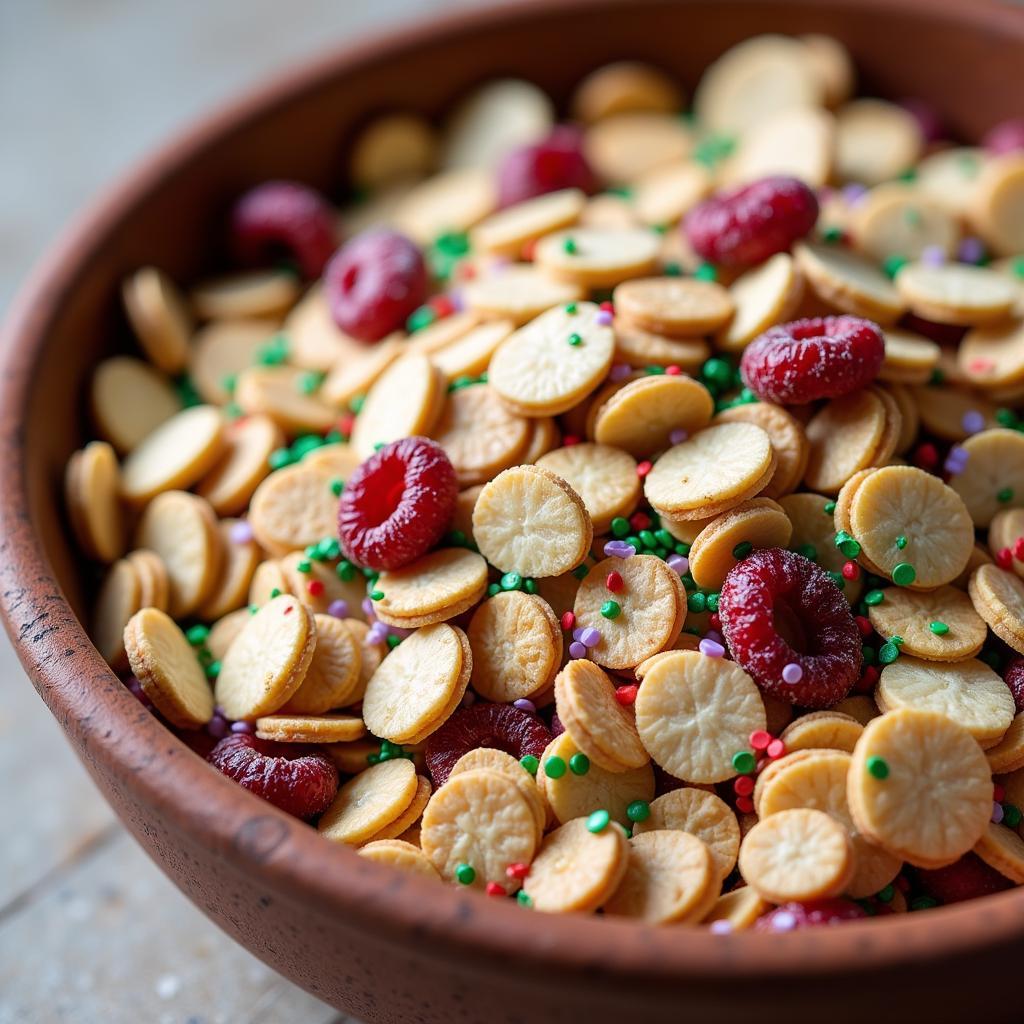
x: 397, y: 504
x: 292, y: 776
x: 941, y: 334
x: 499, y: 726
x: 374, y: 282
x: 779, y: 609
x: 1014, y: 679
x: 806, y: 360
x: 965, y: 879
x: 284, y: 217
x: 1005, y: 137
x: 557, y: 162
x: 746, y: 225
x: 809, y: 914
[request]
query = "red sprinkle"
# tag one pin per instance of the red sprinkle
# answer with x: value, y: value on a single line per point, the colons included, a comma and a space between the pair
x: 851, y: 571
x: 775, y: 749
x: 744, y: 804
x: 527, y: 250
x: 315, y: 588
x: 493, y: 889
x: 643, y: 468
x: 926, y: 456
x: 288, y: 610
x: 673, y: 370
x: 607, y: 307
x: 759, y: 739
x: 998, y: 792
x: 517, y: 870
x: 864, y: 625
x: 569, y: 440
x: 1018, y: 549
x: 640, y: 520
x: 442, y: 306
x: 568, y: 621
x: 1004, y: 558
x: 867, y: 681
x: 744, y: 785
x: 613, y: 581
x: 981, y: 365
x: 346, y: 423
x: 626, y: 695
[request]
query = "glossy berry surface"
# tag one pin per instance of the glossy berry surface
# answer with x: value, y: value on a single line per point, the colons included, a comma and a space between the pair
x: 296, y: 778
x: 806, y: 360
x: 965, y: 879
x: 779, y: 608
x: 498, y: 726
x: 744, y: 226
x: 556, y: 163
x: 789, y: 917
x: 1005, y: 137
x: 397, y: 504
x: 1014, y: 679
x: 374, y: 282
x: 284, y: 218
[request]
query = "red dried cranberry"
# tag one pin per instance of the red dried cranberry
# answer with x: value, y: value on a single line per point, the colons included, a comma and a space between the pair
x: 284, y: 217
x: 397, y: 504
x: 1005, y: 137
x: 373, y: 282
x: 809, y: 914
x: 746, y: 225
x: 556, y: 163
x: 941, y: 334
x: 965, y: 879
x: 806, y: 360
x: 779, y: 608
x: 1014, y: 679
x: 499, y: 726
x: 296, y: 778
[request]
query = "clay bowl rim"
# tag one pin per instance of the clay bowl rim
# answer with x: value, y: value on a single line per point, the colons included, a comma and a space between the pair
x: 299, y: 865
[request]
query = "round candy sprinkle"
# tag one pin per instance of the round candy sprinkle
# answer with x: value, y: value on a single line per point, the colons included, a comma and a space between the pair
x: 517, y: 870
x: 598, y: 821
x: 511, y: 581
x: 877, y: 767
x: 697, y: 602
x: 494, y: 889
x: 604, y: 318
x: 530, y: 763
x: 577, y: 650
x: 523, y: 899
x: 525, y: 705
x: 626, y: 694
x: 620, y: 527
x: 611, y: 609
x: 241, y: 532
x: 678, y: 436
x: 679, y: 564
x: 792, y: 673
x: 638, y: 810
x: 997, y: 814
x: 847, y: 544
x: 619, y: 549
x: 590, y: 637
x: 613, y: 582
x: 744, y: 805
x: 1011, y: 815
x: 873, y: 597
x: 744, y: 762
x: 972, y: 421
x: 620, y: 371
x: 568, y: 621
x: 554, y: 767
x: 938, y: 628
x: 711, y: 648
x: 775, y: 749
x: 1004, y: 495
x: 903, y: 574
x: 743, y: 786
x: 760, y: 738
x: 377, y: 633
x: 465, y: 874
x: 742, y: 549
x: 575, y: 340
x: 720, y: 927
x: 579, y: 764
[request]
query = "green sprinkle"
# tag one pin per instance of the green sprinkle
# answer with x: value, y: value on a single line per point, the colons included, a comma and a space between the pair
x: 228, y: 382
x: 233, y: 411
x: 682, y: 548
x: 717, y: 370
x: 829, y: 508
x: 886, y: 895
x: 923, y: 903
x: 672, y: 269
x: 706, y: 272
x: 1006, y: 418
x: 742, y: 549
x: 523, y: 899
x: 355, y: 404
x: 809, y: 551
x: 638, y: 810
x: 511, y: 581
x: 569, y: 247
x: 493, y: 588
x: 213, y: 670
x: 868, y: 654
x: 903, y: 574
x: 464, y: 874
x: 873, y: 597
x: 575, y: 340
x: 1011, y: 815
x: 648, y: 539
x: 579, y: 764
x: 279, y: 458
x: 554, y: 767
x: 393, y: 641
x: 197, y: 634
x: 901, y: 542
x: 837, y: 578
x: 580, y: 572
x: 253, y: 609
x: 376, y: 595
x: 419, y: 318
x: 888, y: 653
x: 847, y: 544
x: 664, y: 538
x: 345, y: 570
x: 832, y: 234
x: 274, y: 352
x: 598, y: 821
x: 1018, y: 267
x: 1005, y: 495
x: 892, y: 265
x: 307, y: 383
x: 697, y: 602
x: 377, y: 447
x: 744, y: 762
x: 275, y: 592
x: 304, y: 565
x: 337, y: 486
x: 877, y: 767
x: 611, y: 609
x: 620, y: 527
x: 571, y: 308
x: 712, y: 602
x: 530, y: 763
x: 938, y: 628
x: 530, y: 586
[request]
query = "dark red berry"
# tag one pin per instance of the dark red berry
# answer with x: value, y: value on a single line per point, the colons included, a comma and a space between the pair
x: 373, y: 282
x: 941, y: 334
x: 557, y: 162
x: 499, y: 726
x: 296, y: 778
x: 557, y: 728
x: 284, y: 218
x: 929, y: 120
x: 745, y: 226
x: 806, y: 360
x: 1005, y: 137
x: 198, y: 740
x: 397, y: 504
x: 779, y: 608
x: 1014, y: 678
x: 809, y: 914
x: 965, y: 879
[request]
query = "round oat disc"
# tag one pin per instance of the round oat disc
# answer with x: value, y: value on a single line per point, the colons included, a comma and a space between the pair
x: 902, y: 501
x: 182, y: 529
x: 860, y: 707
x: 549, y: 365
x: 603, y: 476
x: 598, y: 724
x: 175, y: 455
x: 637, y: 347
x: 598, y: 257
x: 247, y: 293
x: 788, y: 439
x: 368, y: 802
x: 815, y: 528
x: 848, y: 282
x: 154, y: 581
x: 1003, y: 531
x: 350, y: 377
x: 293, y: 508
x: 517, y: 646
x: 479, y: 818
x: 236, y: 565
x: 446, y: 203
x: 396, y: 853
x: 993, y: 357
x: 952, y: 177
x: 663, y: 196
x: 530, y: 521
x: 625, y: 147
x: 470, y: 355
x: 955, y: 293
x: 116, y: 602
x: 164, y: 663
x: 224, y: 632
x: 159, y: 318
x: 490, y: 759
x: 245, y: 462
x: 764, y: 296
x: 998, y: 597
x: 799, y: 143
x: 875, y: 141
x: 896, y: 219
x: 822, y: 730
x: 799, y: 854
x: 670, y: 878
x: 315, y: 342
x: 372, y: 655
x: 577, y: 870
x: 268, y: 660
x: 279, y: 392
x: 409, y: 818
x: 967, y: 692
x: 832, y: 65
x: 641, y: 417
x: 997, y: 210
x: 575, y: 796
x: 433, y: 588
x: 919, y: 786
x: 623, y: 87
x: 338, y: 459
x: 92, y: 485
x: 703, y: 815
x: 650, y: 611
x: 994, y: 476
x: 758, y: 522
x: 843, y: 438
x: 1000, y: 847
x: 909, y: 358
x: 287, y: 728
x: 679, y: 307
x: 912, y: 615
x: 418, y: 685
x: 332, y: 678
x: 909, y: 416
x: 722, y: 465
x: 128, y: 400
x: 739, y: 908
x: 693, y: 713
x: 316, y: 588
x: 518, y: 292
x: 506, y: 232
x: 395, y: 147
x: 943, y: 410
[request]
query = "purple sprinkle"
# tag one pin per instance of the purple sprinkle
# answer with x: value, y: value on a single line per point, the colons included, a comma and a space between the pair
x: 620, y: 371
x: 678, y: 563
x: 971, y: 250
x: 377, y: 633
x: 997, y: 813
x: 933, y: 256
x: 603, y: 318
x: 577, y: 650
x: 577, y: 634
x: 339, y: 609
x: 973, y: 421
x: 457, y: 301
x: 525, y: 705
x: 590, y: 637
x: 468, y: 699
x: 783, y: 921
x: 678, y: 436
x: 713, y: 634
x: 619, y: 549
x: 367, y: 607
x: 241, y: 532
x: 854, y: 193
x: 217, y: 727
x: 792, y: 673
x: 243, y: 727
x: 400, y: 632
x: 956, y: 460
x: 721, y: 927
x: 711, y: 649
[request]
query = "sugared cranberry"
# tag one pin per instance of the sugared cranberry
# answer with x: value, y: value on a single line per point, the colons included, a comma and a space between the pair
x: 397, y: 504
x: 499, y: 726
x: 284, y: 217
x: 373, y: 282
x: 1005, y: 137
x: 556, y: 163
x: 746, y: 225
x: 806, y: 360
x: 941, y: 334
x: 784, y: 619
x: 296, y: 778
x: 809, y: 914
x: 965, y: 879
x: 1014, y: 677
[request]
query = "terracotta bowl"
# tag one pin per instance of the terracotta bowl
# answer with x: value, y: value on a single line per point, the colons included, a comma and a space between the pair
x: 377, y: 944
